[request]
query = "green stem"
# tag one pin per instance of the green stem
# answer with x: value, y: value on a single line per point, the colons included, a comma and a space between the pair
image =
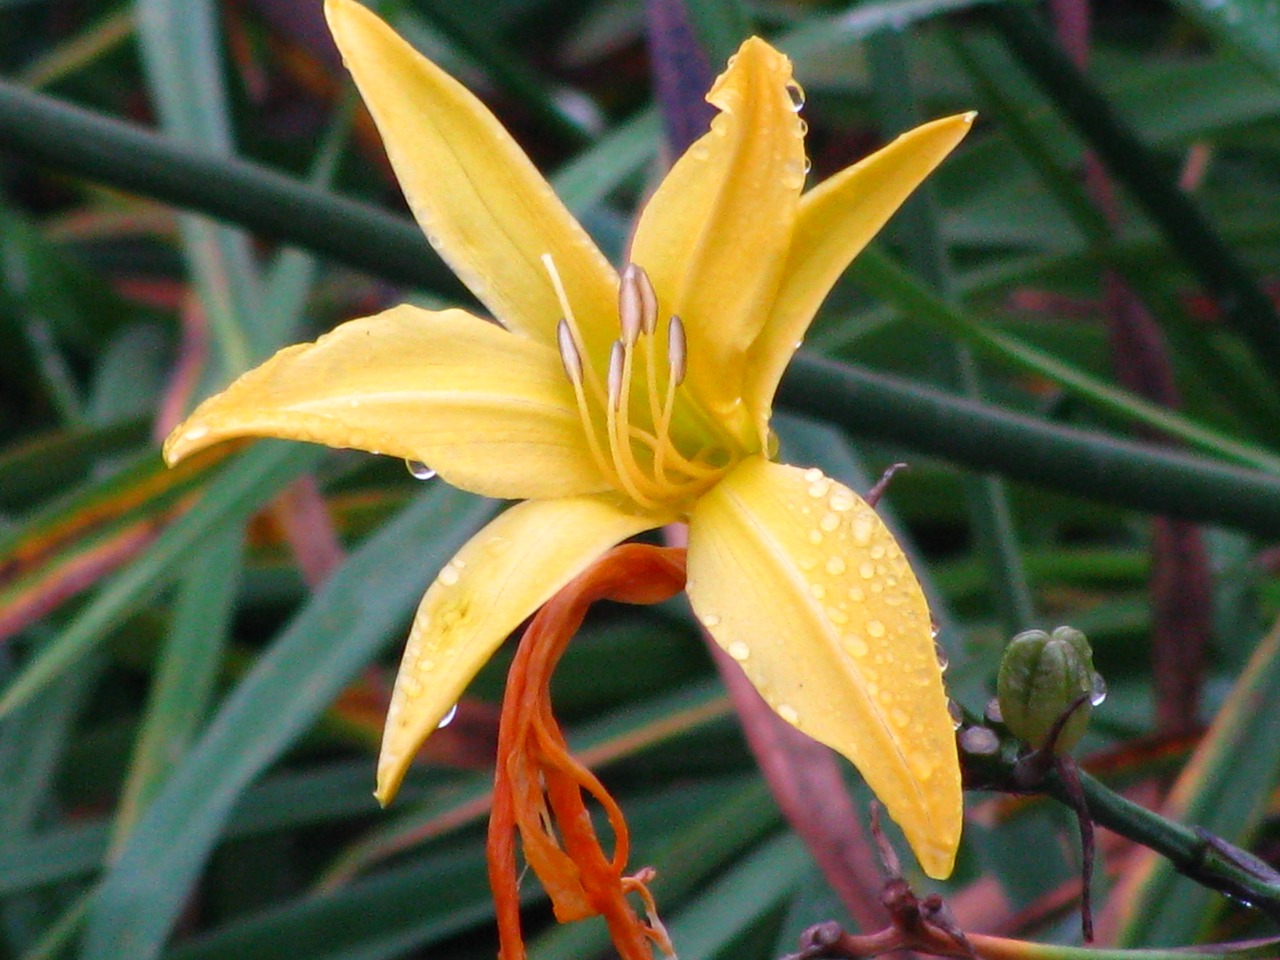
x: 982, y: 437
x: 49, y: 131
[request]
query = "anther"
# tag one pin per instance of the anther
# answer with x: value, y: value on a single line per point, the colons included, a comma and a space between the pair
x: 630, y: 305
x: 569, y: 355
x: 648, y: 299
x: 677, y: 348
x: 617, y: 357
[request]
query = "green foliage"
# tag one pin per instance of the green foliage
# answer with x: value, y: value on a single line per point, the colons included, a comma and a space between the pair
x: 192, y: 679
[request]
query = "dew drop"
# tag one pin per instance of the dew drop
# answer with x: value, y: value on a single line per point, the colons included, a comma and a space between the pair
x: 808, y: 165
x: 957, y: 714
x: 710, y: 620
x: 788, y: 713
x: 842, y: 501
x: 829, y: 522
x: 856, y: 645
x: 812, y: 475
x: 412, y: 687
x: 837, y: 616
x: 940, y: 652
x: 815, y: 537
x: 196, y: 433
x: 866, y: 570
x: 835, y: 566
x: 795, y: 93
x: 1099, y: 691
x: 819, y: 488
x: 448, y: 574
x: 863, y: 526
x: 419, y: 470
x: 448, y: 717
x: 739, y: 651
x: 875, y: 628
x: 899, y: 717
x: 817, y: 590
x: 857, y: 595
x: 877, y: 552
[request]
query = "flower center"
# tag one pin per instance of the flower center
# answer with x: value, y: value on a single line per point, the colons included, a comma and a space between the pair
x: 630, y: 417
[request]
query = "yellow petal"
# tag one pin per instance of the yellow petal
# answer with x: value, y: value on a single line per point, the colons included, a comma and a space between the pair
x: 493, y: 413
x: 834, y: 221
x: 478, y: 197
x: 800, y: 582
x: 503, y: 574
x: 715, y: 234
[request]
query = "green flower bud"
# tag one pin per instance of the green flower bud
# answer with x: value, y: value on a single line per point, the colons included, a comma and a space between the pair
x: 1041, y: 676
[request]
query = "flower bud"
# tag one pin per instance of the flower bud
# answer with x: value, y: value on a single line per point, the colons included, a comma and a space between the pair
x: 1041, y: 676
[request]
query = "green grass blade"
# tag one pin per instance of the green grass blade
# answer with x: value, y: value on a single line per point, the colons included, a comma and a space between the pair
x: 918, y: 228
x: 233, y: 495
x: 184, y: 678
x: 181, y: 55
x: 1176, y: 214
x: 1226, y: 789
x: 882, y: 276
x: 321, y: 650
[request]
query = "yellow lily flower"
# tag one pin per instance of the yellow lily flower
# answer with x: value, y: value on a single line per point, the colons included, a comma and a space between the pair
x: 615, y: 404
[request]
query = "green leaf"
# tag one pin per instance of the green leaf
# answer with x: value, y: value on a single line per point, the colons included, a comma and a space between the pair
x: 334, y: 636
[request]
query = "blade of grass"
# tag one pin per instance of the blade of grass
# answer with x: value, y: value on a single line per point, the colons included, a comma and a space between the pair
x: 334, y: 636
x: 1180, y: 220
x: 918, y: 227
x: 1250, y: 393
x: 181, y: 50
x: 235, y: 493
x: 881, y: 275
x: 1247, y: 26
x: 184, y: 677
x: 1226, y: 789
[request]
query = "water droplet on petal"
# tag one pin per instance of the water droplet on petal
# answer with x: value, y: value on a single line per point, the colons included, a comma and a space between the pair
x: 448, y: 717
x: 795, y: 93
x: 957, y: 714
x: 739, y: 651
x: 1099, y: 691
x: 788, y: 713
x: 856, y: 645
x: 835, y: 566
x: 808, y: 165
x: 829, y: 522
x: 940, y: 652
x: 710, y: 620
x: 875, y: 628
x: 448, y: 574
x: 419, y: 470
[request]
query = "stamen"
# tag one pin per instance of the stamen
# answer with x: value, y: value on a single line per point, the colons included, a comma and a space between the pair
x: 630, y: 305
x: 593, y: 382
x: 677, y: 349
x: 569, y: 354
x: 617, y: 356
x: 649, y: 299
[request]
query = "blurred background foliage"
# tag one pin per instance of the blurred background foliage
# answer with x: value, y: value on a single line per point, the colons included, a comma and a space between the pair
x: 1071, y: 336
